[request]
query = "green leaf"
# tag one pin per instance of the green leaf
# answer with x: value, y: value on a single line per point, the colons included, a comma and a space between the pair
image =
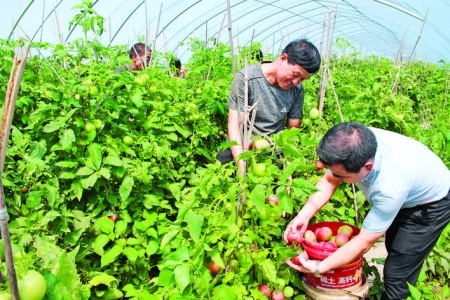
x: 268, y: 269
x: 168, y: 237
x: 224, y: 292
x: 94, y: 156
x: 182, y: 276
x: 89, y: 182
x: 68, y: 279
x: 121, y: 227
x: 34, y: 199
x: 195, y: 224
x: 136, y: 98
x: 258, y: 196
x: 113, y: 161
x: 101, y: 279
x: 49, y: 216
x: 53, y: 126
x: 66, y: 164
x: 67, y: 175
x: 111, y: 255
x: 38, y: 149
x: 126, y: 187
x: 84, y: 171
x: 285, y: 202
x: 105, y: 173
x: 100, y: 243
x: 77, y: 188
x: 152, y: 247
x: 67, y: 139
x: 106, y: 225
x: 166, y: 278
x: 131, y: 253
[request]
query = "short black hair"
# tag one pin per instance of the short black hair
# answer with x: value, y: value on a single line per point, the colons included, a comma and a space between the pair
x: 350, y: 144
x: 139, y: 49
x: 257, y: 55
x: 177, y: 63
x: 303, y: 53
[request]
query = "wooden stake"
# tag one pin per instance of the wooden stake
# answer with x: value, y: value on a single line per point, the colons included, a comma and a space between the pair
x: 156, y: 35
x: 8, y: 113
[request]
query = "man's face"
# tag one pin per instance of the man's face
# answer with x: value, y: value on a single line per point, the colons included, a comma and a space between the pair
x: 290, y: 75
x: 338, y: 171
x: 140, y: 62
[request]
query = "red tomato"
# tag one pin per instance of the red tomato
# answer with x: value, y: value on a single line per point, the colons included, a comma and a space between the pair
x: 213, y: 268
x: 265, y: 290
x: 294, y: 237
x: 277, y: 295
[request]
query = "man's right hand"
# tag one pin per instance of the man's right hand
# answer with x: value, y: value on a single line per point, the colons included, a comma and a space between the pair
x: 297, y: 224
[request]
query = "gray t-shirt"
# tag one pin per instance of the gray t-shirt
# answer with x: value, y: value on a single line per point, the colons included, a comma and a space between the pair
x: 275, y: 104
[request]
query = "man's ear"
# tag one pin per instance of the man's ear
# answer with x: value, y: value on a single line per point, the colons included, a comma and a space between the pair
x: 369, y: 165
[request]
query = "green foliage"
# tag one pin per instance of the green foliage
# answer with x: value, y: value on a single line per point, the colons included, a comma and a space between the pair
x: 104, y: 219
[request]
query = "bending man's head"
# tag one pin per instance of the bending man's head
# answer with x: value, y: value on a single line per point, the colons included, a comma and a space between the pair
x: 303, y: 53
x: 349, y: 144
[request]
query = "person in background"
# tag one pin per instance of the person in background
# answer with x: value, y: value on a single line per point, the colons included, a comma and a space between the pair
x: 180, y: 69
x: 257, y: 55
x: 407, y: 186
x: 140, y: 55
x: 277, y: 86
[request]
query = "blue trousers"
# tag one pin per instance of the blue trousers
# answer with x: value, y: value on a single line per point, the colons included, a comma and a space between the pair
x: 409, y: 240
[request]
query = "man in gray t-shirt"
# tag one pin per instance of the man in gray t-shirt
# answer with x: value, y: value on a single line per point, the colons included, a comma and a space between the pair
x: 277, y: 86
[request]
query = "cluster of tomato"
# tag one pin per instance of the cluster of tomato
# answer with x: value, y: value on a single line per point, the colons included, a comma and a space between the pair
x: 323, y: 237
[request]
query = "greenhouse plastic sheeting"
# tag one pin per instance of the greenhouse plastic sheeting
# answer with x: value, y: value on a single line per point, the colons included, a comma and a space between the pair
x: 414, y: 29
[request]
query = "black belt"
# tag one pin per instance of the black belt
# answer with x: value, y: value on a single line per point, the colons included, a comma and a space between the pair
x: 434, y: 203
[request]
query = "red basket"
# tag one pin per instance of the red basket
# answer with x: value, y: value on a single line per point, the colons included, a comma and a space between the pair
x: 319, y: 253
x: 347, y: 277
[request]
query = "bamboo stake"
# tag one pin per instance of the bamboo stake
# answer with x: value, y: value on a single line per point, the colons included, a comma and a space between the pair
x: 215, y: 47
x: 50, y: 66
x: 156, y: 35
x: 43, y: 20
x: 420, y: 34
x: 8, y: 113
x: 146, y: 23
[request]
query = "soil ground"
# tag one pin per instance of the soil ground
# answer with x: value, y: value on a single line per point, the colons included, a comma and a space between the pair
x: 378, y: 250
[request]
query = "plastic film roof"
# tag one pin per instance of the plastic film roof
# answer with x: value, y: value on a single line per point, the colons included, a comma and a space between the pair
x: 380, y: 27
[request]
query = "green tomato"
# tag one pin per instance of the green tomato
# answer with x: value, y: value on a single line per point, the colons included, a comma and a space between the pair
x: 32, y: 286
x: 83, y: 91
x: 239, y: 222
x: 127, y: 140
x: 264, y: 214
x: 306, y: 122
x: 234, y: 265
x: 314, y: 113
x: 288, y: 292
x: 89, y: 127
x: 281, y: 283
x: 98, y: 124
x: 93, y: 91
x: 259, y: 170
